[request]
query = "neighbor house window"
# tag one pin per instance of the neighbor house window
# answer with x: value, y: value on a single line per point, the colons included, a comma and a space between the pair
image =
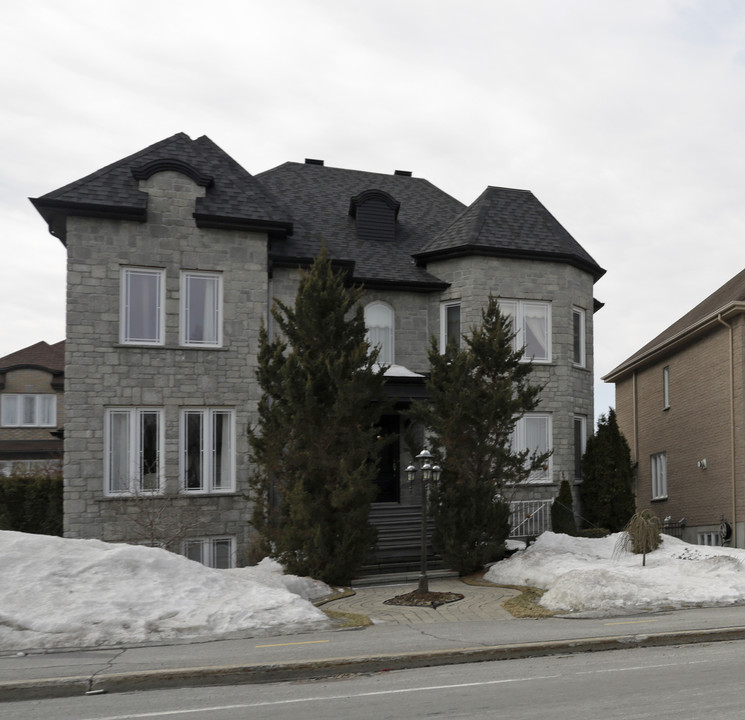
x: 665, y: 388
x: 659, y: 476
x: 142, y: 306
x: 201, y: 309
x: 380, y: 324
x: 214, y: 552
x: 29, y: 410
x: 133, y: 441
x: 708, y: 538
x: 531, y: 323
x: 580, y: 441
x: 533, y: 433
x: 578, y: 337
x: 449, y: 324
x: 207, y: 454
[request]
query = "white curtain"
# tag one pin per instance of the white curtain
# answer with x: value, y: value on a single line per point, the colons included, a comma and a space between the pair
x: 202, y: 309
x: 142, y: 306
x: 536, y: 331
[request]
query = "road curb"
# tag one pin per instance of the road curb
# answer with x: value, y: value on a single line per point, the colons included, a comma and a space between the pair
x: 318, y: 669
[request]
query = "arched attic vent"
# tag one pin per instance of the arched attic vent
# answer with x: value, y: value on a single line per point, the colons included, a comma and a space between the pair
x: 375, y: 212
x: 161, y: 165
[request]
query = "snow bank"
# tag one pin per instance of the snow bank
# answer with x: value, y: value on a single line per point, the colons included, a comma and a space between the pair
x: 593, y: 576
x: 57, y: 592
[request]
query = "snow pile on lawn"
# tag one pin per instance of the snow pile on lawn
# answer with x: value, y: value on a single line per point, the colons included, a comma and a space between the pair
x: 595, y: 577
x: 59, y: 592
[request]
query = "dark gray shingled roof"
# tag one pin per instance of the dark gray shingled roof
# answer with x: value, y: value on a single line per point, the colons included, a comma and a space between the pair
x: 728, y: 298
x: 302, y: 205
x: 319, y: 198
x: 509, y: 223
x: 233, y: 197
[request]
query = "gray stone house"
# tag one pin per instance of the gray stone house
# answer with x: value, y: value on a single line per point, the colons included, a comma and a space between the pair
x: 174, y: 256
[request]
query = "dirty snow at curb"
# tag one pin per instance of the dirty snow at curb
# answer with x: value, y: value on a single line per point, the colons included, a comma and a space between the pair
x: 594, y: 577
x: 59, y: 592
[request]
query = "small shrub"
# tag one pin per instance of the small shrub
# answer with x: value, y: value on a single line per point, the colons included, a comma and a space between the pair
x: 562, y: 511
x: 642, y: 534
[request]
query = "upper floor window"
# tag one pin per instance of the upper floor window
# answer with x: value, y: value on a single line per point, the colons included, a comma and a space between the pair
x: 578, y: 337
x: 142, y: 306
x: 380, y: 324
x: 201, y: 308
x: 659, y: 476
x: 29, y: 410
x: 207, y: 455
x: 531, y: 323
x: 533, y: 433
x: 665, y: 388
x: 133, y: 440
x: 449, y: 324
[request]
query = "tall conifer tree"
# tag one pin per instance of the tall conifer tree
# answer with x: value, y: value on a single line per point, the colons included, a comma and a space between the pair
x: 477, y: 393
x: 315, y: 445
x: 607, y: 491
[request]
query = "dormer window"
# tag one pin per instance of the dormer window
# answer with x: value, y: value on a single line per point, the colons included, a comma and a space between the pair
x: 375, y: 212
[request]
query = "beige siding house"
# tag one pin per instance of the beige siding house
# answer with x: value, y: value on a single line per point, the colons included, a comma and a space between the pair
x: 680, y: 402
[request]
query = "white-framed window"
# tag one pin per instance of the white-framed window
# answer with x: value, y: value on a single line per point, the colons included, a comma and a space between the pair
x: 133, y: 442
x: 580, y: 443
x: 450, y: 328
x: 659, y: 475
x: 578, y: 337
x: 201, y: 308
x: 28, y: 410
x: 531, y: 323
x: 207, y: 450
x: 532, y: 432
x: 142, y: 306
x: 380, y: 323
x: 666, y: 388
x: 214, y: 552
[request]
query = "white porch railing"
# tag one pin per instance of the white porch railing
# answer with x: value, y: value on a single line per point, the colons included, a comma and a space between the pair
x: 529, y: 518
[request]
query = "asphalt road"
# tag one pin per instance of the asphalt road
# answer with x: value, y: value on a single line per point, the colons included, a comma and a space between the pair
x: 692, y: 681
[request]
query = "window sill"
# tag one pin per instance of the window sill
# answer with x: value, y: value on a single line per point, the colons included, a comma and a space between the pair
x: 131, y: 346
x: 659, y: 499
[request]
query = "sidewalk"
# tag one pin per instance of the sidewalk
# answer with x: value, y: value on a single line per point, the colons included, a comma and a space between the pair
x: 474, y: 629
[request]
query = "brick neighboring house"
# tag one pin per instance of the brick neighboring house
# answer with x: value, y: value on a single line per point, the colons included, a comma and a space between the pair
x: 31, y: 408
x: 174, y: 256
x: 680, y: 402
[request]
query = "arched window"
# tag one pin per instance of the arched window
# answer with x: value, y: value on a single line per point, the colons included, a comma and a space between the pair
x: 379, y: 320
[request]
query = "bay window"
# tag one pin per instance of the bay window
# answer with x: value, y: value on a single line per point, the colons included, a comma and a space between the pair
x: 531, y: 323
x: 533, y: 433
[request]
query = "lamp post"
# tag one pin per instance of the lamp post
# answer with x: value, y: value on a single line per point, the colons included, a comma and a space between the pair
x: 429, y: 474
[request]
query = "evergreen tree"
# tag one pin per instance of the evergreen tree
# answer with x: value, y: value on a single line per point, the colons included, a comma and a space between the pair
x: 607, y: 492
x: 562, y: 511
x: 315, y: 445
x: 476, y: 395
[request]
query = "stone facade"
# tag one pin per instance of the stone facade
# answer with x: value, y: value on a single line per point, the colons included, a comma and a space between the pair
x: 183, y: 206
x: 104, y: 373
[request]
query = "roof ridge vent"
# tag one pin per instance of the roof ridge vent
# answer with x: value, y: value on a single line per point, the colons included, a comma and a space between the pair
x: 404, y: 173
x: 312, y: 161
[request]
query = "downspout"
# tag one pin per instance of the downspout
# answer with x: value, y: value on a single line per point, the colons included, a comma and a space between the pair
x: 732, y: 424
x: 635, y: 439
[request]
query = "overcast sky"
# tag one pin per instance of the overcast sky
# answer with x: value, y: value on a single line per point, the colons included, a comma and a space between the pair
x: 626, y: 119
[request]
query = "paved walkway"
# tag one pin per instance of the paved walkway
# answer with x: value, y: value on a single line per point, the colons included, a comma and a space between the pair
x: 479, y: 603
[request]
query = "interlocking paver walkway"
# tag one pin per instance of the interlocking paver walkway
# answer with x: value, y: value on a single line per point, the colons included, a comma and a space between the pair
x: 479, y: 603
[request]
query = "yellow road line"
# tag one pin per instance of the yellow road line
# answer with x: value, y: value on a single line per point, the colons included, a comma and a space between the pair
x: 307, y: 642
x: 630, y: 622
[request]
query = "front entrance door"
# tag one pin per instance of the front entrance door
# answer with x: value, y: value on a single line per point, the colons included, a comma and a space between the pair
x: 388, y: 475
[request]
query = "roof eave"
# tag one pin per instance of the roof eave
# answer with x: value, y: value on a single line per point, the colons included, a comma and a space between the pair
x: 277, y: 229
x: 635, y: 362
x: 462, y: 250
